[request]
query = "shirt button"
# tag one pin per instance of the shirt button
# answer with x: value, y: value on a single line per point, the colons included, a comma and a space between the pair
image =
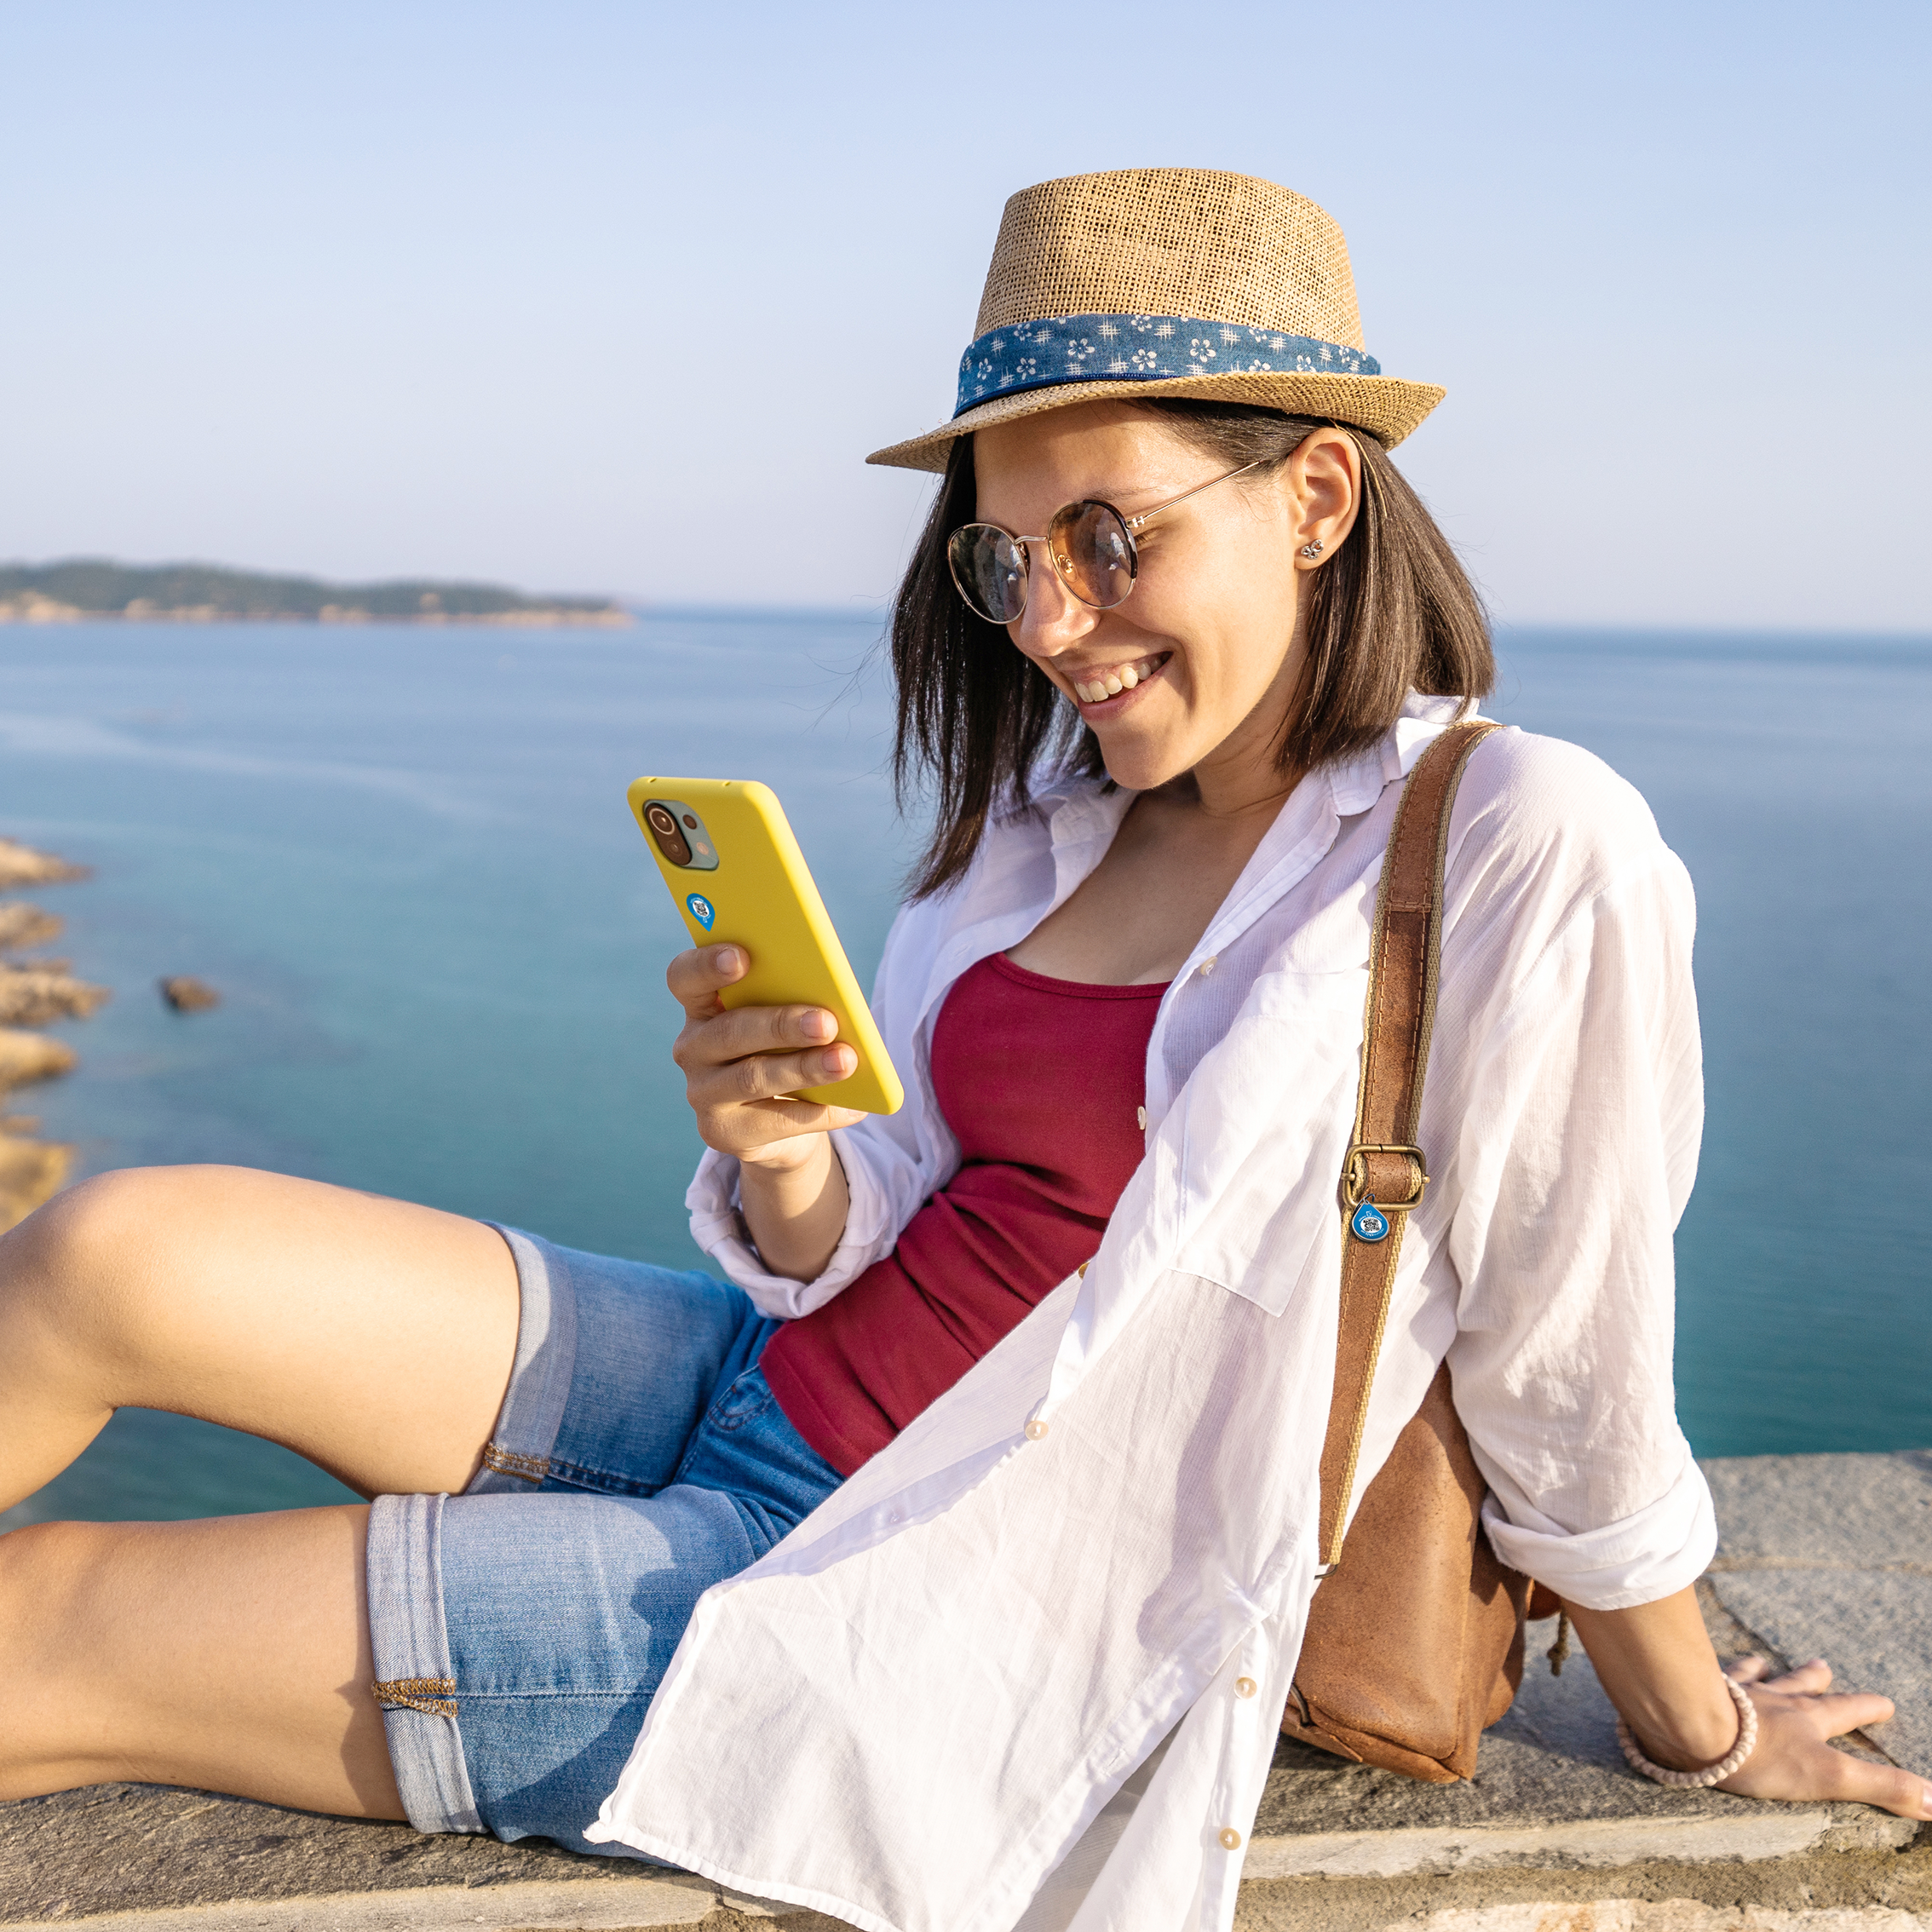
x: 1230, y: 1838
x: 1035, y: 1429
x: 1140, y: 1115
x: 1207, y: 967
x: 1246, y: 1686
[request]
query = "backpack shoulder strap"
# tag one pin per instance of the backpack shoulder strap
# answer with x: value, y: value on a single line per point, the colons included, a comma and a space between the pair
x: 1385, y: 1172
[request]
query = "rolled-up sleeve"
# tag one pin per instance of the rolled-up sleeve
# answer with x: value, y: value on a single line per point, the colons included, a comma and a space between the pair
x: 1578, y: 1149
x: 1654, y: 1553
x: 871, y: 1226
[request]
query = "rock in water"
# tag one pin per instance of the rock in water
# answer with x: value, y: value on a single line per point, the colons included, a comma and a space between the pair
x: 31, y: 993
x: 24, y: 925
x: 30, y: 1172
x: 187, y: 995
x: 32, y: 996
x: 25, y: 1057
x: 21, y: 865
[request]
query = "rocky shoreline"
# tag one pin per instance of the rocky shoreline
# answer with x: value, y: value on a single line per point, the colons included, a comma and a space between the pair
x: 34, y: 991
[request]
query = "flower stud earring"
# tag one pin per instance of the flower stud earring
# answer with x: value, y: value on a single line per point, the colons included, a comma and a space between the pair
x: 1314, y: 549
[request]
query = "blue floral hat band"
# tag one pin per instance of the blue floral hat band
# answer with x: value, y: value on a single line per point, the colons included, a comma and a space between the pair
x: 1139, y: 348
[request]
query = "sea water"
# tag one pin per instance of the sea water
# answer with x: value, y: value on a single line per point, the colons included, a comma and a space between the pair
x: 404, y: 857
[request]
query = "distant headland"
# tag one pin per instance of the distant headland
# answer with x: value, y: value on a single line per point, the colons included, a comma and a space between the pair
x: 90, y: 589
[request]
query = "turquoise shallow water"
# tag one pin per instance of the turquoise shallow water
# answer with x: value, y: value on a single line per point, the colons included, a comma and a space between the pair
x: 404, y: 858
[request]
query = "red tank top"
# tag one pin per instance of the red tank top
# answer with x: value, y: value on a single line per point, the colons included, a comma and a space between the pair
x: 1041, y: 1082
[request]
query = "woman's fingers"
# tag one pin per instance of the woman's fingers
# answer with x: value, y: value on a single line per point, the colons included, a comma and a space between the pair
x: 1885, y: 1785
x: 1849, y: 1712
x: 766, y: 1076
x: 714, y: 1035
x: 1808, y: 1686
x: 745, y: 1030
x: 739, y: 1063
x: 736, y: 1083
x: 1808, y: 1680
x: 1794, y: 1763
x: 696, y: 977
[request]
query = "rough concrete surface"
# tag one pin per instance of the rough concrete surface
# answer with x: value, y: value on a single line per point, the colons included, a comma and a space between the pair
x: 1890, y: 1890
x: 594, y: 1907
x: 1832, y: 1556
x: 1831, y: 1512
x: 1829, y: 1555
x: 118, y: 1848
x: 1673, y: 1915
x: 1551, y: 1770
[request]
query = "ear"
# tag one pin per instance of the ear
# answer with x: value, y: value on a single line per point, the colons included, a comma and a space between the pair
x: 1325, y: 475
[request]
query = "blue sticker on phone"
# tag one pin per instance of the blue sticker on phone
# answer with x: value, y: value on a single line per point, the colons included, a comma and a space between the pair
x: 702, y: 910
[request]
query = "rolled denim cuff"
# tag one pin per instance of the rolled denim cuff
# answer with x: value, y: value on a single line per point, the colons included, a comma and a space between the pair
x: 518, y: 1455
x: 415, y: 1682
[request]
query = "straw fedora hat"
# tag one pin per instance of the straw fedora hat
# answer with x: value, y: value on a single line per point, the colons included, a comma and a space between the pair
x: 1169, y: 282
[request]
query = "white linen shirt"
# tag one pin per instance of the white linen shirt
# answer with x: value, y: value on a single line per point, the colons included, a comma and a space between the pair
x: 914, y: 1709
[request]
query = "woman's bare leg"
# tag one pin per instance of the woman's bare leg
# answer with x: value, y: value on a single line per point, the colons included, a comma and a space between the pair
x: 231, y: 1655
x: 373, y: 1336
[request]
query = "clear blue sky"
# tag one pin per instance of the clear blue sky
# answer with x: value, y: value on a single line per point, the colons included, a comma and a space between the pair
x: 615, y: 296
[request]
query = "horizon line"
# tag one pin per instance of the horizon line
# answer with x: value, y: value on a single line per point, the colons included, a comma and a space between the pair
x: 646, y: 608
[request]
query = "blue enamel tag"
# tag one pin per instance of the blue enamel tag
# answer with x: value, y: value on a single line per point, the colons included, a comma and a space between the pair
x: 1369, y: 1223
x: 704, y: 912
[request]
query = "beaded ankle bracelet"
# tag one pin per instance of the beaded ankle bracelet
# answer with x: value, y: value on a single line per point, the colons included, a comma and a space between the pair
x: 1712, y: 1773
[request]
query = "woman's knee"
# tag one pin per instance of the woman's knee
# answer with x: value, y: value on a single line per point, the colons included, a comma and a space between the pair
x: 98, y: 1268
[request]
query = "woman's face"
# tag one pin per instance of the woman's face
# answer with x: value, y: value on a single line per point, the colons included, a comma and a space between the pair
x: 1210, y: 632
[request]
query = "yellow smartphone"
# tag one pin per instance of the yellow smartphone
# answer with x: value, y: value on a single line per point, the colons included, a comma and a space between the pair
x: 737, y: 874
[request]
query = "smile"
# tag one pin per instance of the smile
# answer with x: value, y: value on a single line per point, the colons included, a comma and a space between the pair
x: 1098, y: 688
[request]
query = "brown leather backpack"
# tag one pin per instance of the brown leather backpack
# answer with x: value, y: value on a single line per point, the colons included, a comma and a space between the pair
x: 1415, y: 1639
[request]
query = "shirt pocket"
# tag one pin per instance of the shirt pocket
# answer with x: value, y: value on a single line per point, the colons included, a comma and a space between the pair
x: 1266, y: 1120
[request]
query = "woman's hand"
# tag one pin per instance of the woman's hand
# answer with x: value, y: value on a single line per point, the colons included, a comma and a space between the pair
x: 739, y: 1064
x: 1796, y: 1716
x: 1655, y: 1662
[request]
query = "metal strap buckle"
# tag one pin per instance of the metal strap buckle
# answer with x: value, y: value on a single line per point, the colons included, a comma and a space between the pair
x: 1355, y: 1175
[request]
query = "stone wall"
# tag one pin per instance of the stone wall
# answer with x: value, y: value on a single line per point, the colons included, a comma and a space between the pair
x: 1824, y: 1555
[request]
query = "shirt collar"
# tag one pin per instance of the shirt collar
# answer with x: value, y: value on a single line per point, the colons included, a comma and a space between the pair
x: 1076, y: 807
x: 1357, y: 782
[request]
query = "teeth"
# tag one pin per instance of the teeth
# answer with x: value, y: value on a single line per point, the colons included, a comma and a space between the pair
x: 1123, y: 677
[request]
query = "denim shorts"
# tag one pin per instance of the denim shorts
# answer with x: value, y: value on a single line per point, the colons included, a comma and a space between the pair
x: 522, y: 1628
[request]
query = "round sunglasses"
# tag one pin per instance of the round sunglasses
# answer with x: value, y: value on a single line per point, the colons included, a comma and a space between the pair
x: 1089, y: 544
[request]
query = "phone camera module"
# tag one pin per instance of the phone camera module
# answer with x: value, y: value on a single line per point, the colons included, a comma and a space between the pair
x: 670, y: 841
x: 678, y: 833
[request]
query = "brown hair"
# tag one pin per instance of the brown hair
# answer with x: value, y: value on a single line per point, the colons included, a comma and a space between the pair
x: 979, y: 723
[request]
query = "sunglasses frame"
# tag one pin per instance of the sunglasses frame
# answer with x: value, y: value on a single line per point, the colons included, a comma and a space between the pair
x: 1065, y: 514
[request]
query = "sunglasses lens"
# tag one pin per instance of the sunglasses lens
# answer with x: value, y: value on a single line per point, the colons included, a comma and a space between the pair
x: 989, y: 570
x: 1094, y: 553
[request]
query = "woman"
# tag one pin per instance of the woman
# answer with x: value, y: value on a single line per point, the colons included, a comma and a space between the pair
x: 1042, y: 1358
